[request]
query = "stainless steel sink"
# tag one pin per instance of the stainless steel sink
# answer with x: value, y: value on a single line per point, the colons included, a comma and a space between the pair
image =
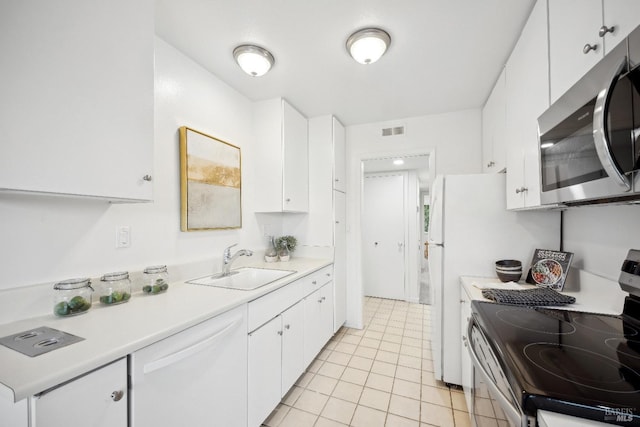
x: 246, y: 279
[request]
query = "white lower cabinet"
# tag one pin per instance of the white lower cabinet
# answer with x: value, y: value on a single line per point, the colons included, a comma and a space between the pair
x: 97, y: 399
x: 287, y: 330
x: 292, y: 346
x: 265, y: 370
x: 14, y: 414
x: 275, y: 361
x: 318, y: 321
x: 194, y: 378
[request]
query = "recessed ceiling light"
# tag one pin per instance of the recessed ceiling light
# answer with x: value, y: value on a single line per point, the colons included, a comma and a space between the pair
x: 368, y: 45
x: 398, y: 162
x: 254, y: 60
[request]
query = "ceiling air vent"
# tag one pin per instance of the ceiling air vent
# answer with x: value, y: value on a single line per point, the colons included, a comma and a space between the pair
x: 398, y: 130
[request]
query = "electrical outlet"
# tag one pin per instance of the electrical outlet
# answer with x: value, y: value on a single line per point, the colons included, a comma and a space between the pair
x: 123, y: 236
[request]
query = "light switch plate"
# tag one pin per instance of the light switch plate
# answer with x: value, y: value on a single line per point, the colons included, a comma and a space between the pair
x: 123, y: 236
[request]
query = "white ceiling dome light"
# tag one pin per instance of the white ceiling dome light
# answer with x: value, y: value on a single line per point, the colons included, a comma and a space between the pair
x: 368, y: 45
x: 254, y: 60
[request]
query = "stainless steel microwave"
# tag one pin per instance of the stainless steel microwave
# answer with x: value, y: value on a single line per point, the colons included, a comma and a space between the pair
x: 589, y: 139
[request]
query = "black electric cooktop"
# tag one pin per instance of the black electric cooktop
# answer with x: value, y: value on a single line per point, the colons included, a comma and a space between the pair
x: 581, y: 364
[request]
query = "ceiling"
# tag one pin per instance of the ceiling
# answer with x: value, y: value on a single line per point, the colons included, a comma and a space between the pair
x: 445, y: 55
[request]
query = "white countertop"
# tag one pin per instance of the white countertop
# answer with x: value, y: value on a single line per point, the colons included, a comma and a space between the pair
x: 113, y: 332
x: 592, y: 293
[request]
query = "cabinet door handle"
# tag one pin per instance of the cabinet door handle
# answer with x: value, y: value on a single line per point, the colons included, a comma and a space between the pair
x: 315, y: 282
x: 521, y: 190
x: 279, y: 332
x: 117, y: 395
x: 287, y: 200
x: 336, y: 180
x: 147, y: 178
x: 604, y: 30
x: 589, y: 47
x: 287, y: 326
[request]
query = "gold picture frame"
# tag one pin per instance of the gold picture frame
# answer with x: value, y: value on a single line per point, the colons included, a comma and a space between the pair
x: 210, y: 182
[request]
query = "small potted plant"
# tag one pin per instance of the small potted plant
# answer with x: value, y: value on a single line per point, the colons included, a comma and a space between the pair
x: 286, y: 245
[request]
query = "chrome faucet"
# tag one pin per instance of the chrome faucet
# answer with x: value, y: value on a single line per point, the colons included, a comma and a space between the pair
x: 227, y: 258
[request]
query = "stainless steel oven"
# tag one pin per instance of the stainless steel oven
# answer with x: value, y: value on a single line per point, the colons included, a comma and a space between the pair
x: 579, y: 364
x: 493, y: 400
x: 589, y: 138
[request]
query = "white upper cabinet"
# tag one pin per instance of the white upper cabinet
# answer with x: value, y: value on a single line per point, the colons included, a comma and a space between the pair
x: 339, y: 156
x: 77, y: 98
x: 493, y: 128
x: 527, y: 89
x: 576, y: 40
x: 282, y: 153
x: 621, y: 15
x: 326, y: 175
x: 573, y: 24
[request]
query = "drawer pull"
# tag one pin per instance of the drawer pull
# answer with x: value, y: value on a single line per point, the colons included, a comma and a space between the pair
x: 117, y: 395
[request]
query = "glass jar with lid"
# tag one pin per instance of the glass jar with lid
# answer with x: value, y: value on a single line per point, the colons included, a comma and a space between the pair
x: 115, y: 288
x: 156, y: 279
x: 72, y: 296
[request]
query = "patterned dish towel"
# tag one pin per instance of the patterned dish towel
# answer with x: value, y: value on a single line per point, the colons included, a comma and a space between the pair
x: 528, y: 297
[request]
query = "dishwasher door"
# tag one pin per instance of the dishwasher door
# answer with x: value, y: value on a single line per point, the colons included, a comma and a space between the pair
x: 194, y: 378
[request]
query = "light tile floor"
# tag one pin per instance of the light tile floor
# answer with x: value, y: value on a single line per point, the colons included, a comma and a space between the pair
x: 381, y: 375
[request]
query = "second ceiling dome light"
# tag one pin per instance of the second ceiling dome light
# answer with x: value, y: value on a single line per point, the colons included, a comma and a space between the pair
x: 368, y: 45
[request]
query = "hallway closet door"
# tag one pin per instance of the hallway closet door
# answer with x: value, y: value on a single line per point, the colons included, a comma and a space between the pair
x: 383, y: 236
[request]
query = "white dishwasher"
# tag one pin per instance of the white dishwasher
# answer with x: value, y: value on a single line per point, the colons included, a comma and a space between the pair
x: 194, y: 378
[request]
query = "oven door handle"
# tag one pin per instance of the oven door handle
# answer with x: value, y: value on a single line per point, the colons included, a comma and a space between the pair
x: 509, y: 409
x: 601, y: 131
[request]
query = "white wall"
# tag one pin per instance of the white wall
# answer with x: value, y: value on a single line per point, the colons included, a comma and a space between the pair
x: 45, y: 239
x: 454, y: 139
x: 600, y: 236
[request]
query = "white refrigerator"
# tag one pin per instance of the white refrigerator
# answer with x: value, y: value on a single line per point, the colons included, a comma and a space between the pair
x: 470, y: 229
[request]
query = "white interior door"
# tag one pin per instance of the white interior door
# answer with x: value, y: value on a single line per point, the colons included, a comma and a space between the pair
x: 384, y: 236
